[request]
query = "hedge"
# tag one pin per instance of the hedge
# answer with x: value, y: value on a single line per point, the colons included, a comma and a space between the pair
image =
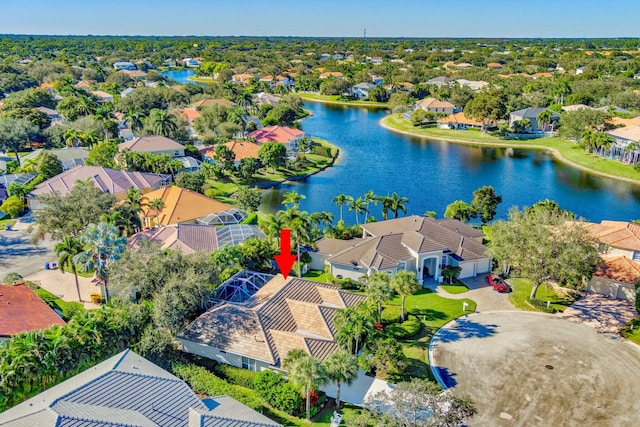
x: 237, y: 376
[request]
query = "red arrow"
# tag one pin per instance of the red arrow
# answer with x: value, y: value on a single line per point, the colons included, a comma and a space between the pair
x: 285, y: 260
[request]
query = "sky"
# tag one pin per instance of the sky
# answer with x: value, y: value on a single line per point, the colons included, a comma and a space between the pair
x: 325, y: 18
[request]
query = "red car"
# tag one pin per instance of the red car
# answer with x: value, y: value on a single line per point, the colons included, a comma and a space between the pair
x: 498, y: 284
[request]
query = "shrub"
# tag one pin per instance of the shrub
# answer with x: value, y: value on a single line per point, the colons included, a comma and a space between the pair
x: 275, y: 389
x: 67, y: 309
x: 252, y: 218
x: 13, y: 206
x: 12, y: 278
x: 237, y: 376
x: 214, y: 192
x: 405, y: 330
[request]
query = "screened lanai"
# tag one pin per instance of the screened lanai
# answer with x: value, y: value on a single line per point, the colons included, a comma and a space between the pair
x: 230, y: 216
x: 241, y: 286
x: 235, y: 234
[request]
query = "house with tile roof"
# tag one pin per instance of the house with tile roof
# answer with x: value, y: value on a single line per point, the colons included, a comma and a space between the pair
x: 242, y: 78
x: 102, y: 96
x: 116, y: 182
x: 264, y: 98
x: 435, y: 106
x: 129, y: 390
x: 258, y: 332
x: 290, y: 137
x: 361, y: 90
x: 23, y: 310
x: 242, y: 150
x: 616, y: 278
x: 153, y: 144
x: 180, y: 205
x: 332, y: 74
x: 626, y: 147
x: 461, y: 121
x: 622, y: 237
x: 418, y: 244
x: 440, y: 81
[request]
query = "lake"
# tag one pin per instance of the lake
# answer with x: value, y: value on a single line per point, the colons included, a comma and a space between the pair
x: 432, y: 174
x: 180, y: 76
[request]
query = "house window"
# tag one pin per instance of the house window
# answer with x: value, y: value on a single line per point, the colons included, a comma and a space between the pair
x: 636, y: 256
x: 249, y: 364
x: 444, y: 262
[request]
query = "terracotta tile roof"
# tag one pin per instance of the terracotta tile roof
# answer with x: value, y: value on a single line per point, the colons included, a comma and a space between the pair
x: 190, y: 114
x: 617, y: 234
x: 620, y: 269
x: 619, y: 121
x: 243, y: 149
x: 494, y: 65
x: 242, y: 78
x: 151, y: 143
x: 460, y: 118
x: 210, y: 101
x: 21, y: 310
x: 283, y: 315
x: 331, y: 74
x: 182, y: 205
x: 434, y: 103
x: 108, y: 180
x: 280, y: 134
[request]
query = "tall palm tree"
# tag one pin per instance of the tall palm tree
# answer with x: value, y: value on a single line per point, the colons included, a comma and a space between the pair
x: 162, y: 122
x: 157, y: 205
x: 379, y: 290
x: 604, y: 142
x: 545, y: 118
x: 104, y: 114
x: 293, y: 198
x: 353, y: 325
x: 306, y: 372
x: 298, y: 222
x: 271, y: 226
x: 134, y: 118
x: 358, y: 205
x: 103, y: 245
x: 404, y: 283
x: 327, y: 220
x: 341, y: 367
x: 89, y: 138
x: 369, y: 197
x: 397, y: 203
x: 341, y: 200
x: 66, y: 250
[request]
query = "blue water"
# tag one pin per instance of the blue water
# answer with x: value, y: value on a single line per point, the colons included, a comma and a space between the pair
x: 432, y: 174
x: 180, y: 76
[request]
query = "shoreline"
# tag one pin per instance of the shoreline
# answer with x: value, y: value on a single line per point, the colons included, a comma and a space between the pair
x: 554, y: 152
x: 347, y: 103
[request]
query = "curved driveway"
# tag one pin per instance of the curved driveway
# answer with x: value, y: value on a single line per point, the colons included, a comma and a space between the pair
x: 531, y: 369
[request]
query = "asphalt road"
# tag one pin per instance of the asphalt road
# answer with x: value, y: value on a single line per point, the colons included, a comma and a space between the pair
x: 18, y: 255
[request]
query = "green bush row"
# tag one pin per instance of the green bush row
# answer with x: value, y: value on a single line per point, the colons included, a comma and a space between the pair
x: 237, y: 376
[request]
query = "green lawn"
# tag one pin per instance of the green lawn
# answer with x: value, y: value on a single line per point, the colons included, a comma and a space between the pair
x: 522, y: 289
x: 633, y: 335
x: 455, y: 289
x: 68, y: 309
x: 335, y: 99
x: 318, y: 276
x: 5, y: 222
x: 567, y: 150
x: 434, y: 312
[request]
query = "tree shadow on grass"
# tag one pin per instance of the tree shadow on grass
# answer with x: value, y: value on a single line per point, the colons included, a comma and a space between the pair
x: 429, y: 314
x: 465, y: 328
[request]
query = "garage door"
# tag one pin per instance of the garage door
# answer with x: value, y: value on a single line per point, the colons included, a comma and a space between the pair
x: 468, y: 270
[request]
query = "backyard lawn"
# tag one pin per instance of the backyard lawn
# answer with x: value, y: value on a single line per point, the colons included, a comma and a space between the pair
x: 522, y: 289
x: 335, y: 99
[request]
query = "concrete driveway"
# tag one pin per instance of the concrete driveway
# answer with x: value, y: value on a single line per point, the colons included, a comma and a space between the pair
x: 533, y: 369
x: 485, y: 297
x: 18, y: 255
x: 607, y: 315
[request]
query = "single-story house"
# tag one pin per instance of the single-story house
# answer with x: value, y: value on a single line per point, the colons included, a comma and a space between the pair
x: 532, y: 114
x: 419, y: 244
x: 70, y: 157
x: 440, y: 81
x: 435, y: 106
x: 361, y: 90
x: 333, y: 74
x: 128, y: 389
x: 626, y: 144
x: 473, y: 84
x: 290, y: 137
x: 190, y: 114
x: 460, y: 121
x: 614, y: 109
x: 494, y: 65
x: 116, y: 182
x: 153, y: 144
x: 180, y: 205
x: 52, y: 114
x: 22, y: 311
x: 623, y: 238
x: 261, y: 318
x: 242, y: 78
x: 102, y: 96
x: 242, y: 150
x: 126, y: 92
x: 191, y: 238
x: 264, y: 98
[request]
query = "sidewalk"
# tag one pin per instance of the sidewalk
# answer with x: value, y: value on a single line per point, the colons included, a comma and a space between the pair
x: 63, y: 285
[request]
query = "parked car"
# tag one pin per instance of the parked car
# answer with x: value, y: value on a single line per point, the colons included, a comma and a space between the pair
x: 498, y: 284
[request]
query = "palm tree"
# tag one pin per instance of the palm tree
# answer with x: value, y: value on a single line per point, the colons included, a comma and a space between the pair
x: 72, y: 137
x: 134, y: 118
x: 327, y: 219
x: 86, y: 105
x: 369, y: 197
x: 379, y: 290
x: 604, y: 142
x: 103, y: 244
x: 89, y: 138
x: 404, y: 283
x: 544, y: 118
x: 104, y: 114
x: 157, y: 205
x: 341, y: 367
x: 397, y: 203
x: 66, y: 250
x: 306, y: 372
x: 298, y: 222
x: 358, y: 205
x: 162, y: 122
x: 352, y: 325
x: 293, y: 198
x: 271, y: 226
x: 340, y: 200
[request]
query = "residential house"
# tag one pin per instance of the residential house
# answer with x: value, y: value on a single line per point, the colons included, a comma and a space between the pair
x: 22, y: 311
x: 375, y: 60
x: 576, y: 107
x: 135, y: 74
x: 70, y: 157
x: 337, y: 56
x: 210, y: 101
x: 124, y: 65
x: 580, y: 70
x: 264, y: 98
x: 242, y: 150
x: 324, y: 56
x: 333, y: 74
x: 473, y: 84
x: 180, y: 205
x: 401, y: 86
x: 418, y: 244
x: 614, y: 109
x: 102, y: 96
x: 361, y: 90
x: 494, y: 65
x: 243, y: 78
x: 440, y: 81
x: 126, y: 92
x: 435, y: 106
x: 532, y: 114
x: 627, y: 144
x: 116, y: 182
x: 460, y: 121
x: 128, y: 389
x: 191, y: 62
x: 261, y: 318
x: 290, y: 137
x: 192, y: 238
x: 623, y: 238
x: 621, y: 122
x: 52, y: 114
x: 18, y: 178
x: 153, y: 144
x: 616, y: 278
x: 275, y: 81
x: 190, y: 115
x: 376, y: 80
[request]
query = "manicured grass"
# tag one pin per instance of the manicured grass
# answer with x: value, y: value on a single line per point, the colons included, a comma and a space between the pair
x: 522, y: 289
x: 434, y: 312
x: 67, y: 309
x: 5, y: 222
x: 317, y: 276
x: 200, y: 79
x: 633, y: 335
x: 335, y: 99
x: 566, y: 150
x: 455, y: 289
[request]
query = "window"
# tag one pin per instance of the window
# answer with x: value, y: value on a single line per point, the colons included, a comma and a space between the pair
x: 636, y: 256
x: 249, y: 364
x: 444, y: 262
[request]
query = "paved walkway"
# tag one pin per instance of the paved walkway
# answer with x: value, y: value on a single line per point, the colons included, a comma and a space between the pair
x: 485, y: 297
x: 63, y: 285
x: 360, y: 390
x: 607, y: 315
